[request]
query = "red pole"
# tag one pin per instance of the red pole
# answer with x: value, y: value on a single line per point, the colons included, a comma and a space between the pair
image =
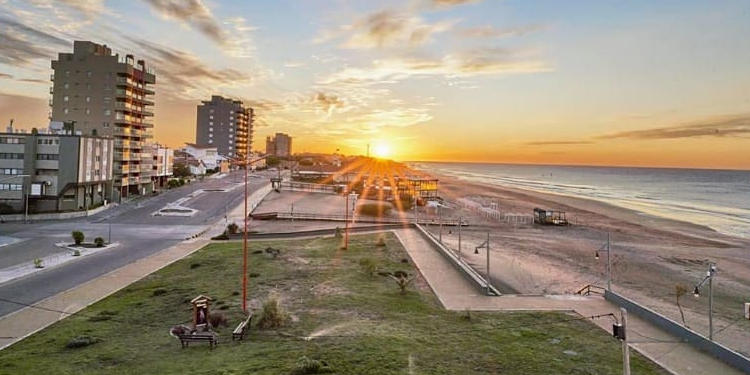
x: 346, y: 224
x: 244, y: 248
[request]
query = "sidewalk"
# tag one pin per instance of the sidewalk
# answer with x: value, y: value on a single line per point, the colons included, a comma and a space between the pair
x: 456, y: 293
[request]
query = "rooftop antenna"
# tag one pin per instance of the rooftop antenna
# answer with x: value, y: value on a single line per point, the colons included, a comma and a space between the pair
x: 10, y: 127
x: 368, y: 150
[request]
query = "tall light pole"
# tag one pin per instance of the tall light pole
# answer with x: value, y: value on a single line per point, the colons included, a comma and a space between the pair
x: 606, y: 249
x: 440, y: 219
x: 346, y: 220
x: 697, y: 292
x: 460, y: 222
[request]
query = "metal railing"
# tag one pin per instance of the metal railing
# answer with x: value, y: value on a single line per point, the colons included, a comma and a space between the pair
x: 591, y: 289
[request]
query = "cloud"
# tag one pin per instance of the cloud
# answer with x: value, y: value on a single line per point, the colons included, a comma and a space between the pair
x: 557, y: 143
x: 487, y: 61
x: 89, y: 8
x: 386, y: 28
x: 493, y: 32
x: 20, y: 44
x: 193, y: 12
x: 732, y: 126
x: 327, y: 102
x: 451, y: 3
x: 33, y: 80
x: 184, y: 74
x: 5, y: 76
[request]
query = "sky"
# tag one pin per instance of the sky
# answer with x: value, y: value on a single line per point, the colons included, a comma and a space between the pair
x: 631, y: 83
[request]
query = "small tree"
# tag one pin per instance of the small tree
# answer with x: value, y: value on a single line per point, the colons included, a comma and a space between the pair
x: 38, y: 263
x: 369, y: 266
x: 78, y: 237
x: 338, y: 234
x: 232, y: 228
x: 99, y: 242
x: 273, y: 314
x: 402, y: 279
x: 679, y: 291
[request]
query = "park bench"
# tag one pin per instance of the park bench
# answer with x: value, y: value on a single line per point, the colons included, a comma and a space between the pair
x: 211, y: 338
x: 239, y: 332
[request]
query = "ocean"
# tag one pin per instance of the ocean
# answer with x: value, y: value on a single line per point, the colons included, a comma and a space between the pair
x: 719, y: 199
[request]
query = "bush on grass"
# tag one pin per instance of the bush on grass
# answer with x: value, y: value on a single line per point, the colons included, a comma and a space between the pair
x: 222, y: 237
x: 232, y: 228
x: 311, y: 366
x: 38, y: 263
x: 76, y: 253
x: 369, y: 266
x: 78, y: 237
x: 272, y: 315
x: 99, y: 242
x: 81, y: 342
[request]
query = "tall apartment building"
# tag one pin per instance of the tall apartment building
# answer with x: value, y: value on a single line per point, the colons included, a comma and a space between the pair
x: 280, y: 145
x: 225, y: 124
x: 101, y: 93
x: 56, y: 169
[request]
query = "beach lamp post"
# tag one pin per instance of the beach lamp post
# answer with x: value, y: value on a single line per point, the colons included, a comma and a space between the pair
x: 486, y: 245
x: 606, y: 249
x: 460, y: 221
x: 440, y: 220
x: 353, y: 196
x: 697, y: 292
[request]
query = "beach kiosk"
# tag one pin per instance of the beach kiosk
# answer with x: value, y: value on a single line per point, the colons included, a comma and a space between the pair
x: 200, y: 312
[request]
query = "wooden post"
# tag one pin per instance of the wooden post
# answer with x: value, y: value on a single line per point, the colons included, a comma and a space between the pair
x: 625, y: 349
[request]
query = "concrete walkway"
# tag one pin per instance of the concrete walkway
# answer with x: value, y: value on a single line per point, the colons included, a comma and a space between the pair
x: 456, y: 293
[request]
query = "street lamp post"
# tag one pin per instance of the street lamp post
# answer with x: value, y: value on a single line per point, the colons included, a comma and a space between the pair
x: 609, y: 261
x: 440, y: 219
x: 460, y: 222
x: 697, y: 292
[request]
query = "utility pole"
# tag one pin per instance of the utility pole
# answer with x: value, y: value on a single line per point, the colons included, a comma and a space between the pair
x: 346, y: 221
x: 440, y: 219
x: 609, y: 265
x: 460, y: 221
x: 244, y: 244
x: 488, y: 264
x: 625, y: 348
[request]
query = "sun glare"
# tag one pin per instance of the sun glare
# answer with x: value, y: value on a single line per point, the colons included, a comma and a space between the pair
x: 381, y: 150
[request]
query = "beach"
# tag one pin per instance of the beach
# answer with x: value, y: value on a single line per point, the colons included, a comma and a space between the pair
x: 651, y: 255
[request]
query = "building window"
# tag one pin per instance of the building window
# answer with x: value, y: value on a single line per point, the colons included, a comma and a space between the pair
x: 65, y: 110
x: 67, y: 73
x: 88, y: 99
x: 11, y: 155
x: 47, y: 156
x: 211, y: 111
x: 88, y: 74
x: 66, y: 85
x: 11, y: 187
x: 88, y: 111
x: 210, y: 141
x: 12, y: 140
x: 65, y: 98
x: 11, y: 171
x: 211, y: 117
x: 210, y: 129
x: 107, y: 112
x: 88, y: 86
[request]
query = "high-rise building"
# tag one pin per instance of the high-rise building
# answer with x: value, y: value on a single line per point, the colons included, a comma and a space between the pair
x: 100, y: 93
x: 280, y: 145
x: 225, y: 124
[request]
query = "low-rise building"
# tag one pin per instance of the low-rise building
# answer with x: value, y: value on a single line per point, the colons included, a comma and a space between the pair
x: 54, y: 170
x: 208, y: 155
x: 162, y: 163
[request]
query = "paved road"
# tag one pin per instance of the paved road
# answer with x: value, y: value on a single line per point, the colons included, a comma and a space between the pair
x: 139, y: 233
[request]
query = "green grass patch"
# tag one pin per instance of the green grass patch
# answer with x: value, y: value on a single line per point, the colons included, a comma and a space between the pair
x: 341, y: 317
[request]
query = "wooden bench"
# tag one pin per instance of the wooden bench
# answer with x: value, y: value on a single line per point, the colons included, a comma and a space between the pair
x: 211, y: 338
x: 239, y: 332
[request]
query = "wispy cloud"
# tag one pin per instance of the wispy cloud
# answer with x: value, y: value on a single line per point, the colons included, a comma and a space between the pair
x: 451, y: 3
x: 20, y: 44
x: 733, y: 126
x: 486, y: 61
x: 557, y: 143
x: 385, y: 28
x: 489, y: 31
x: 192, y: 12
x: 5, y: 76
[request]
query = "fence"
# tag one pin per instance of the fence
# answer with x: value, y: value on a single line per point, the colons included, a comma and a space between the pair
x: 288, y: 215
x: 719, y: 351
x: 492, y: 212
x: 309, y: 187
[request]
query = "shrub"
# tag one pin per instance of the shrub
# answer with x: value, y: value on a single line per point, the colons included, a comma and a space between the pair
x: 81, y: 341
x: 159, y: 292
x: 369, y: 266
x: 374, y: 209
x: 274, y: 253
x: 272, y: 315
x: 232, y: 228
x: 402, y: 279
x: 338, y: 234
x: 76, y: 253
x: 38, y: 263
x: 6, y: 209
x: 221, y: 237
x: 380, y: 242
x: 194, y: 265
x: 99, y: 242
x: 78, y: 237
x: 218, y: 319
x: 311, y: 366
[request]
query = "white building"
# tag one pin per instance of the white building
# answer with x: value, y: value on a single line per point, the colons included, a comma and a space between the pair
x: 208, y: 156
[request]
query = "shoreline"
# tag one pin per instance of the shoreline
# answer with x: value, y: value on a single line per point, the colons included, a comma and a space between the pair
x: 575, y: 204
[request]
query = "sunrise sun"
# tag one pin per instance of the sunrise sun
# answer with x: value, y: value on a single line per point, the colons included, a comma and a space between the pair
x: 381, y: 150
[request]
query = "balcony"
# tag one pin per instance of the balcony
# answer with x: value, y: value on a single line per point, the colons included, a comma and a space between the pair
x: 52, y: 77
x: 51, y: 90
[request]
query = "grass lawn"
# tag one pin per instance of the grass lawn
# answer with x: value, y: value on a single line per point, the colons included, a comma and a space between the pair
x: 338, y: 313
